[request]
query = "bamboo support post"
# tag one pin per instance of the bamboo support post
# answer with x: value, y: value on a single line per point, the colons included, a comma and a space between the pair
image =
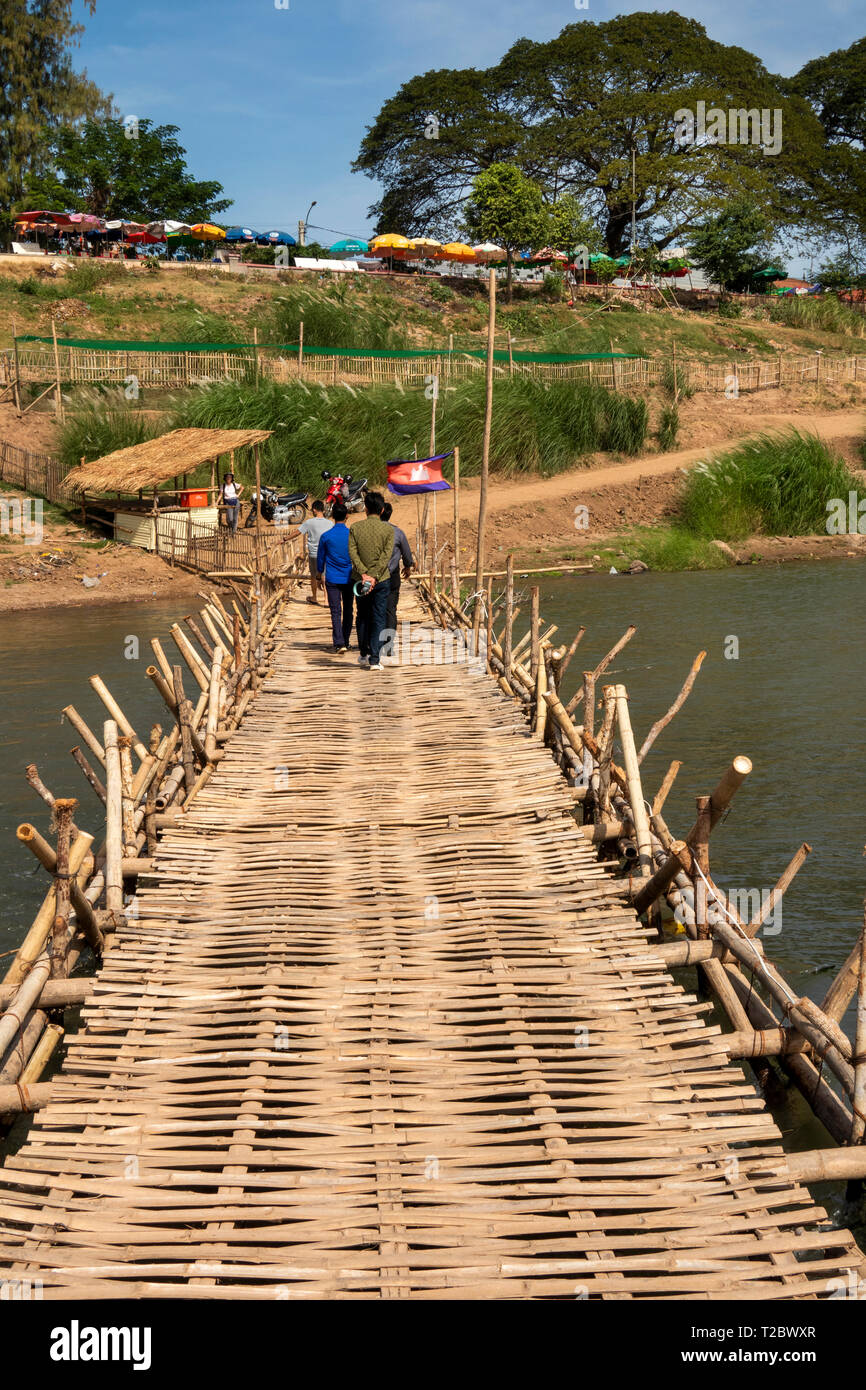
x: 678, y: 703
x: 635, y: 790
x: 661, y: 795
x: 858, y: 1106
x: 185, y: 720
x: 85, y: 732
x: 34, y: 942
x: 768, y: 907
x: 127, y: 802
x: 117, y: 715
x: 113, y: 820
x: 213, y: 705
x: 602, y: 666
x: 64, y: 810
x: 89, y: 773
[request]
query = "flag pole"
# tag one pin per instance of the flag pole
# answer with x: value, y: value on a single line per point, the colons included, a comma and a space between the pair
x: 485, y: 464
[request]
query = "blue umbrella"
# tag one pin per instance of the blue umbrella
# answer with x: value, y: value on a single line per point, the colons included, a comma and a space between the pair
x: 241, y: 234
x: 276, y: 239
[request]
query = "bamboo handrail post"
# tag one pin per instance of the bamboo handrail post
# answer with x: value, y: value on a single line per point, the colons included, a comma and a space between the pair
x: 662, y: 723
x: 89, y: 773
x: 64, y: 810
x: 768, y: 908
x: 213, y: 704
x: 113, y: 820
x: 117, y: 715
x: 196, y: 665
x: 508, y: 635
x: 635, y: 790
x: 602, y: 666
x: 605, y: 745
x: 661, y: 795
x: 86, y: 733
x: 858, y: 1106
x: 127, y: 803
x: 534, y: 635
x: 701, y: 856
x: 185, y: 721
x: 161, y: 659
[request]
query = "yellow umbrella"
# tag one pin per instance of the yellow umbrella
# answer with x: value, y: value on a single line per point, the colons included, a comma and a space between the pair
x: 457, y: 251
x: 391, y: 241
x: 206, y: 231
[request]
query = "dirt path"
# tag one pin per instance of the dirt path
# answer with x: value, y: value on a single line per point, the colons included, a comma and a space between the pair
x: 830, y: 425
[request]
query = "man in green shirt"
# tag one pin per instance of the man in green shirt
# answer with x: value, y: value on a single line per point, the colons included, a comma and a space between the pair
x: 371, y: 543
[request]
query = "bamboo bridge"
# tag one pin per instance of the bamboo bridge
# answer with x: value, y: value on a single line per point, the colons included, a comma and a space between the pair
x: 375, y: 1019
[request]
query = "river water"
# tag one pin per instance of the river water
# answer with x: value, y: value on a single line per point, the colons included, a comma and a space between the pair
x: 783, y: 682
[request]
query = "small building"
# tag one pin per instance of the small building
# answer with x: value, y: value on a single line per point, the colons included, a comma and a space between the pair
x: 143, y: 511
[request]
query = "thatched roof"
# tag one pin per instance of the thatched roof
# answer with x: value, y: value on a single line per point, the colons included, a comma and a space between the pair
x: 157, y: 460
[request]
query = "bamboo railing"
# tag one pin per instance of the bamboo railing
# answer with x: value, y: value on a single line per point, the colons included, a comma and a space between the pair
x: 36, y: 365
x: 141, y: 789
x: 767, y: 1017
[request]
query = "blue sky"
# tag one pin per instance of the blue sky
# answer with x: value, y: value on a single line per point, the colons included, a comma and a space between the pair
x: 273, y: 102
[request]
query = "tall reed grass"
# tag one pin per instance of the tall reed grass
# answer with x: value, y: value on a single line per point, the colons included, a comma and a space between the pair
x: 775, y: 485
x: 538, y: 427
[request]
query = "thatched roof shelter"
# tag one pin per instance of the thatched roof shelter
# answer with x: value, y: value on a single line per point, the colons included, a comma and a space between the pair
x: 145, y: 466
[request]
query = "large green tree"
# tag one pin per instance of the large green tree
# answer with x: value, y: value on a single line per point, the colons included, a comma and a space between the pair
x: 578, y: 114
x: 834, y: 194
x: 40, y: 91
x: 135, y: 169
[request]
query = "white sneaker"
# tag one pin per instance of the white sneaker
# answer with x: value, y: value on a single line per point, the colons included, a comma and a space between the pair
x: 376, y: 666
x: 363, y: 661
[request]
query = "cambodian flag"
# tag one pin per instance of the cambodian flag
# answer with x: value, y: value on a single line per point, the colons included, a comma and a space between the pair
x: 417, y: 475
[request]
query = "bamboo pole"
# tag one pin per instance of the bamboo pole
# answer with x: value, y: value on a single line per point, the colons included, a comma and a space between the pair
x: 25, y: 998
x: 668, y: 780
x: 602, y: 666
x: 113, y: 820
x: 86, y: 733
x: 59, y: 393
x: 117, y: 715
x: 213, y: 705
x: 662, y: 723
x: 191, y: 657
x: 34, y: 942
x: 635, y: 790
x: 456, y: 501
x: 185, y: 721
x: 858, y: 1106
x: 127, y: 801
x: 769, y: 907
x: 485, y: 457
x: 64, y: 809
x: 89, y: 773
x: 534, y: 637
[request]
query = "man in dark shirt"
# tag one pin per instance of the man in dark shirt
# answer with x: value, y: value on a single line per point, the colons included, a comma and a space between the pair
x: 371, y: 544
x: 400, y: 552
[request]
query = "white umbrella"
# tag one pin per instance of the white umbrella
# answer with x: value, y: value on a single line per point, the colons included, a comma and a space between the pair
x: 167, y: 228
x: 488, y: 252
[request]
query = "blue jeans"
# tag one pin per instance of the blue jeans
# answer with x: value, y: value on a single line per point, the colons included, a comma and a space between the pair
x: 341, y: 598
x: 372, y: 617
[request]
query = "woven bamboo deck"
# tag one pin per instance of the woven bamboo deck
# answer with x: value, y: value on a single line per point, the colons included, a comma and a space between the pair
x: 384, y: 1028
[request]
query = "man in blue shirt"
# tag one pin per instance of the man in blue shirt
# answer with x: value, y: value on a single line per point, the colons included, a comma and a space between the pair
x: 332, y: 561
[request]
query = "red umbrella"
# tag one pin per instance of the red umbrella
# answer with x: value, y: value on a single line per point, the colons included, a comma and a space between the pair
x: 57, y: 219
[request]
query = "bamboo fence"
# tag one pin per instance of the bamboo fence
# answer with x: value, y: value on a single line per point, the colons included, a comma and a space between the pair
x: 388, y: 1026
x: 78, y: 366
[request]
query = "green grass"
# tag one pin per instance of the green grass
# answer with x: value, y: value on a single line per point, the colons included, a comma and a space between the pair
x: 662, y: 547
x: 775, y: 485
x: 825, y: 313
x: 538, y: 427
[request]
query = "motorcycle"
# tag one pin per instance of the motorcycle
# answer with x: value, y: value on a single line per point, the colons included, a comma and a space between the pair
x: 282, y: 508
x: 344, y: 489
